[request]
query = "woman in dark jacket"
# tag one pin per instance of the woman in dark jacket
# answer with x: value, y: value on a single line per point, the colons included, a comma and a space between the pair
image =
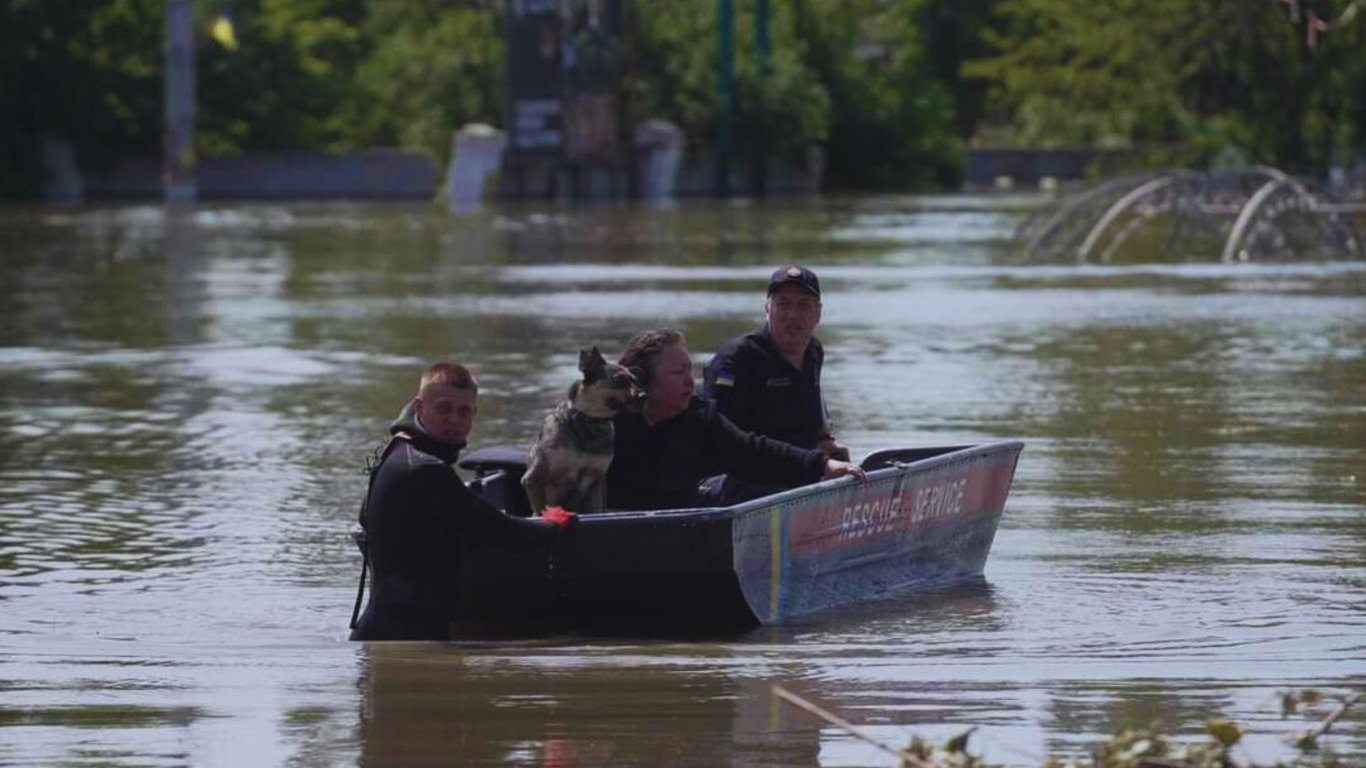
x: 665, y: 450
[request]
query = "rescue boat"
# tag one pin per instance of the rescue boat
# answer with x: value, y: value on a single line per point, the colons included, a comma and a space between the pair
x: 924, y: 517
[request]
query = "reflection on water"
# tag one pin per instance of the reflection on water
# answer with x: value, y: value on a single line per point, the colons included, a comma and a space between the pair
x: 572, y: 706
x: 186, y: 400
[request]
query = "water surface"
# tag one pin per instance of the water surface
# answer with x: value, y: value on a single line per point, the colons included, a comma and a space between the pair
x: 187, y: 398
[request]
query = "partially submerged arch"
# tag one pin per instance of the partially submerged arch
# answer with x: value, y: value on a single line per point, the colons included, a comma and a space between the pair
x: 1231, y: 214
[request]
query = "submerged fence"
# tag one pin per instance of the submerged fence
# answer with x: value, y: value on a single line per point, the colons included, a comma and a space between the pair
x: 1233, y: 215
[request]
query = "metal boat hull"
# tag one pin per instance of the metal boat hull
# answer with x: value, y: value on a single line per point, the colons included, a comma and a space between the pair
x: 923, y: 518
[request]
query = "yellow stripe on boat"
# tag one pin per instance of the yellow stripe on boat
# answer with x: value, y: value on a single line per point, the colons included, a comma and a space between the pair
x: 775, y: 576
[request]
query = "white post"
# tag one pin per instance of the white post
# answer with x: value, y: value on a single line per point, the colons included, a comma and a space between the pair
x: 661, y: 146
x: 65, y: 184
x: 476, y: 157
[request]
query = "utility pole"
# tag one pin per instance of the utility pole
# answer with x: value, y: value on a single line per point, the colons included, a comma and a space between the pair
x: 725, y: 83
x: 762, y: 48
x: 178, y: 161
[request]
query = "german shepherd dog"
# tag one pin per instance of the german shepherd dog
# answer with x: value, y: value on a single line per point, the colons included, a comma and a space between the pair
x: 568, y: 463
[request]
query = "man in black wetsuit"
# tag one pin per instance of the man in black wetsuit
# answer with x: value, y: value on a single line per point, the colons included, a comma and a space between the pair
x: 418, y: 515
x: 768, y: 381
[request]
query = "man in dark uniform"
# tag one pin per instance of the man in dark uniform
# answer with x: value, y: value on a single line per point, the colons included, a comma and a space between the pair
x: 768, y: 381
x: 418, y: 515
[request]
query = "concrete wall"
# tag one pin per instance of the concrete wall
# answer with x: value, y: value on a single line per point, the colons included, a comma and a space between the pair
x: 388, y: 174
x: 382, y: 174
x: 1030, y: 165
x: 784, y: 177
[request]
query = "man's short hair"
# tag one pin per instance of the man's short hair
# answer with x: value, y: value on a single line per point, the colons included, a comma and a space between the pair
x: 450, y: 374
x: 644, y: 350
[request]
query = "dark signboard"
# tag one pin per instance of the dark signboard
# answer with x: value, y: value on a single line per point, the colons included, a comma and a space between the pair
x: 565, y: 63
x: 533, y: 76
x: 594, y: 59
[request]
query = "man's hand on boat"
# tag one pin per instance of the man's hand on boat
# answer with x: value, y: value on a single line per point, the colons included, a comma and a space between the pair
x: 837, y: 468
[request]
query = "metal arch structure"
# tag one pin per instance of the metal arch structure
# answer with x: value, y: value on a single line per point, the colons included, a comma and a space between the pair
x: 1248, y: 214
x: 1257, y: 203
x: 1037, y: 236
x: 1230, y: 214
x: 1118, y: 208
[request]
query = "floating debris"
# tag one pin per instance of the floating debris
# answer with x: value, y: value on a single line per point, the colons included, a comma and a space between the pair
x: 1150, y: 747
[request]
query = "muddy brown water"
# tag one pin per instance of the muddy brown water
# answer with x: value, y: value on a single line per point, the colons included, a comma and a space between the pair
x: 186, y: 400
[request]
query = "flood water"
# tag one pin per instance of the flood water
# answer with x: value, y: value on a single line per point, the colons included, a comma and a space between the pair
x: 187, y: 400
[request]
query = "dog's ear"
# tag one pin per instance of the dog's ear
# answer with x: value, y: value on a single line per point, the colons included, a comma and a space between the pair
x: 590, y: 359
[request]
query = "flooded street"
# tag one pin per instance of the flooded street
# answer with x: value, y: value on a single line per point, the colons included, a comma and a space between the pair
x: 187, y: 400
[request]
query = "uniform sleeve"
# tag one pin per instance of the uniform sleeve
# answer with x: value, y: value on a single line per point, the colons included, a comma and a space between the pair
x: 759, y: 459
x: 730, y: 385
x: 827, y: 428
x: 459, y: 510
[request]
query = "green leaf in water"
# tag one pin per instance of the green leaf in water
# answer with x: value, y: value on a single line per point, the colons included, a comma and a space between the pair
x: 1226, y: 732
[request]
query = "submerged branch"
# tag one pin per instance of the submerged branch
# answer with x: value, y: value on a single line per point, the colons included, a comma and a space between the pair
x: 1130, y: 748
x: 848, y: 727
x: 1312, y: 735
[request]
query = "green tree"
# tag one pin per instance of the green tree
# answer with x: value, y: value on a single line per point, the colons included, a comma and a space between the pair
x: 855, y: 75
x: 92, y: 74
x: 283, y: 86
x: 892, y: 119
x: 1177, y: 80
x: 780, y: 110
x: 433, y: 66
x: 85, y: 73
x: 955, y: 32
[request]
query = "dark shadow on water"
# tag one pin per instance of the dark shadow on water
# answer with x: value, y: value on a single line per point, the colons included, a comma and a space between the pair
x: 433, y: 704
x: 973, y: 601
x: 625, y: 631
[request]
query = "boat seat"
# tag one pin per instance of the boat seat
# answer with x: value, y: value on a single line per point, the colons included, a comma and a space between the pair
x: 498, y: 471
x: 892, y: 456
x: 509, y: 458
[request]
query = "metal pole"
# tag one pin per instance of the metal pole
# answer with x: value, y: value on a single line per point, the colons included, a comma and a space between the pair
x: 178, y: 180
x: 762, y: 49
x: 762, y: 45
x: 725, y: 80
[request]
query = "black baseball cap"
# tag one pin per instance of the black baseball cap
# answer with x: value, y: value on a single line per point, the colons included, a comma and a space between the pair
x: 794, y: 274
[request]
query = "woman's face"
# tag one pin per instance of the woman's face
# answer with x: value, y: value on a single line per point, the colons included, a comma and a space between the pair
x: 671, y: 387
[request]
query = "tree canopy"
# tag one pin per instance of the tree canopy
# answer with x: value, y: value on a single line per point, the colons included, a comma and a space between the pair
x: 893, y: 89
x: 1181, y: 82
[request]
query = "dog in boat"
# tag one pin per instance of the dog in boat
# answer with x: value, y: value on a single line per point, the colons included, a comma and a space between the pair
x: 568, y: 464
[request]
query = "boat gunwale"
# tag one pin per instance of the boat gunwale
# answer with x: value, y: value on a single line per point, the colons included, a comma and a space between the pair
x: 961, y: 455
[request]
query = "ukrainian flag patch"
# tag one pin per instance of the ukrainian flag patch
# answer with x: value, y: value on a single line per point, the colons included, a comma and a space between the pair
x: 725, y: 378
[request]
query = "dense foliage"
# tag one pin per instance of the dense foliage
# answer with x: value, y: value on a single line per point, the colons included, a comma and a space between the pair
x: 1182, y: 82
x: 88, y: 73
x: 892, y: 120
x: 431, y: 68
x: 893, y: 89
x: 783, y: 108
x: 287, y: 83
